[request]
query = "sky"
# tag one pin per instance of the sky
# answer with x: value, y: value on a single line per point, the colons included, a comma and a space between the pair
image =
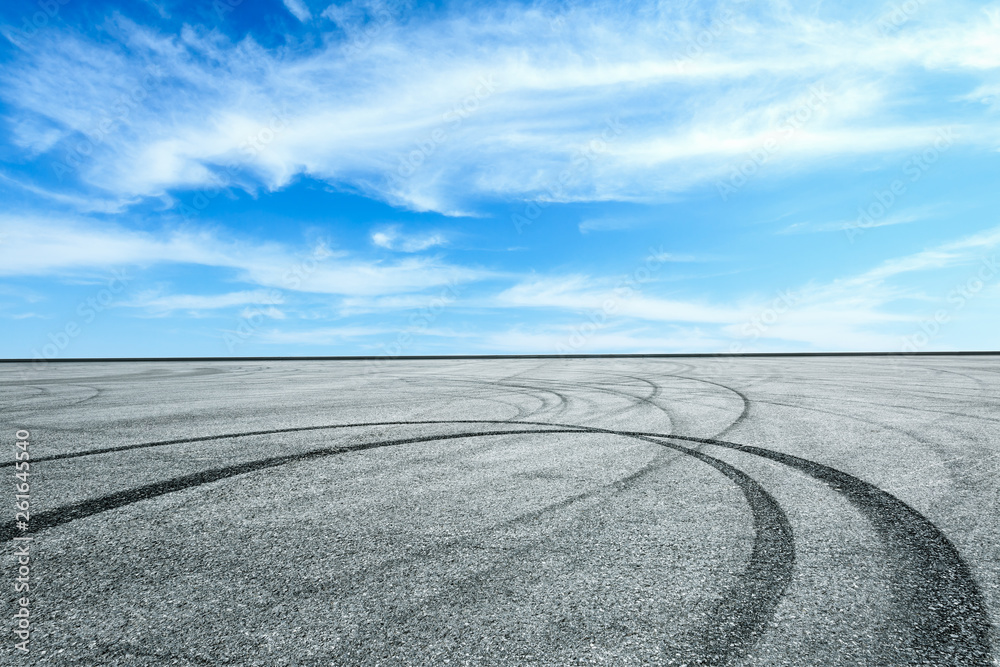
x: 300, y: 177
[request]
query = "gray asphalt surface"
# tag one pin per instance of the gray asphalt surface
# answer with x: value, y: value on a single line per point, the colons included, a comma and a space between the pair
x: 753, y: 511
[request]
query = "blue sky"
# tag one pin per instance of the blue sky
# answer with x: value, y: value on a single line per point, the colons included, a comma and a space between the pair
x: 375, y: 178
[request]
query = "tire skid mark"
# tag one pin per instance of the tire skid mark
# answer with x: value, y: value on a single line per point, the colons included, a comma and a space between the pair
x: 86, y: 508
x: 942, y: 455
x: 909, y: 408
x: 658, y: 389
x: 522, y: 412
x: 744, y: 414
x: 742, y: 615
x: 949, y: 621
x: 980, y: 385
x: 737, y: 622
x: 457, y: 391
x: 743, y: 397
x: 636, y: 401
x: 526, y: 390
x: 559, y: 409
x: 946, y: 609
x: 28, y: 403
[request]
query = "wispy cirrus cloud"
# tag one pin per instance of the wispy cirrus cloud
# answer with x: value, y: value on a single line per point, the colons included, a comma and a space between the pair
x: 607, y: 224
x: 681, y: 257
x: 392, y: 238
x: 897, y: 218
x: 557, y: 339
x: 298, y: 9
x: 499, y: 103
x: 60, y: 247
x: 583, y: 293
x: 855, y: 312
x: 166, y: 303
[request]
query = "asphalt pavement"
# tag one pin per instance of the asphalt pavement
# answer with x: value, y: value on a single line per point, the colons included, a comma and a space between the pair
x: 624, y: 511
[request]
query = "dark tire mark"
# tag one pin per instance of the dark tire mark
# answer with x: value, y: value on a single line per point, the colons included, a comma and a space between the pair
x: 731, y: 630
x: 86, y: 508
x: 937, y: 591
x: 743, y: 397
x: 557, y: 410
x: 980, y: 385
x: 526, y: 390
x: 955, y: 475
x: 636, y: 401
x: 520, y: 410
x: 740, y: 618
x: 944, y: 607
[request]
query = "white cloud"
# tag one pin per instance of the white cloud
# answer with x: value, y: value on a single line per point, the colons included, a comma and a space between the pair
x: 323, y: 335
x: 573, y: 340
x: 581, y: 293
x: 270, y: 311
x: 855, y: 312
x: 677, y: 257
x: 896, y: 218
x: 197, y: 302
x: 77, y: 202
x: 298, y: 9
x: 350, y: 16
x: 606, y: 224
x: 43, y: 246
x: 851, y: 313
x: 392, y: 239
x: 436, y: 113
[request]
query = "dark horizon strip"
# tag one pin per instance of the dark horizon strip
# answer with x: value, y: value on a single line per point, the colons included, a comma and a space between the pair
x: 672, y: 355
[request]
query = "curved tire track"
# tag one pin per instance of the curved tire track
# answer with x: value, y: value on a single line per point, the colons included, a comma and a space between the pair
x: 735, y: 625
x: 940, y: 599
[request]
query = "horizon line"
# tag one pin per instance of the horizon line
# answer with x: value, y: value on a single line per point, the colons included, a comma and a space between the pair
x: 512, y: 356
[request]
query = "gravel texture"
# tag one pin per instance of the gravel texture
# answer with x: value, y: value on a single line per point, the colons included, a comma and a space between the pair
x: 663, y: 511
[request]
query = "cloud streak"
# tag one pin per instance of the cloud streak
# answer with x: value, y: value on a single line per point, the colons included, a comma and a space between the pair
x: 57, y: 247
x: 391, y: 238
x: 349, y: 115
